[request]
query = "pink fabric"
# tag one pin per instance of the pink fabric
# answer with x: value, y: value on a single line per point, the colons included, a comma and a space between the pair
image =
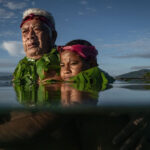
x: 82, y: 50
x: 42, y: 18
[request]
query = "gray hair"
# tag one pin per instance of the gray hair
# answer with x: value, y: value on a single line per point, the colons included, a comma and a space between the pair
x: 40, y: 12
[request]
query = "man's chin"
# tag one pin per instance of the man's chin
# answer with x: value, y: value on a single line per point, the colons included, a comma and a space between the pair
x: 33, y: 53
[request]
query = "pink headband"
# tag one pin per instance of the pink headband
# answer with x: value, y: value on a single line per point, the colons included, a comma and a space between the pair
x: 42, y: 18
x: 82, y: 50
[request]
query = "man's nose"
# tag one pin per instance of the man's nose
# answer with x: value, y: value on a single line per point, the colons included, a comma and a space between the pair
x: 31, y: 34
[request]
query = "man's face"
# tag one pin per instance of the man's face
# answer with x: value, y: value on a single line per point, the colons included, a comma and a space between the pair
x: 37, y: 38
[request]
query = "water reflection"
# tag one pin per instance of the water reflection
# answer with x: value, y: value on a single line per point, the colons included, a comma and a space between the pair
x: 137, y: 87
x: 58, y: 94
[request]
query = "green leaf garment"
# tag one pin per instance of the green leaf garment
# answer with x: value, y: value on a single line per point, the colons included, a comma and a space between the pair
x: 28, y: 71
x: 93, y: 78
x: 91, y: 81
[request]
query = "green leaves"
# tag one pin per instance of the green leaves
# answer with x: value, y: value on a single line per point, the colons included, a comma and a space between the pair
x: 91, y: 80
x: 47, y: 62
x: 28, y: 72
x: 25, y: 72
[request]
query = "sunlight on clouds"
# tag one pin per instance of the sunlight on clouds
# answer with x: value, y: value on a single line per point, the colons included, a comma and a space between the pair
x: 15, y: 5
x: 14, y: 48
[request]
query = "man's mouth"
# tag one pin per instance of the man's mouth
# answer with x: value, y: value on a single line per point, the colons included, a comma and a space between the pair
x: 33, y: 45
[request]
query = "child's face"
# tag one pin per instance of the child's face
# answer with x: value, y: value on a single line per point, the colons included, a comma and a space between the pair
x: 71, y: 64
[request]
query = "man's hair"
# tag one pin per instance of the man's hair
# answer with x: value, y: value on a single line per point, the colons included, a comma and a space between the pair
x: 39, y: 12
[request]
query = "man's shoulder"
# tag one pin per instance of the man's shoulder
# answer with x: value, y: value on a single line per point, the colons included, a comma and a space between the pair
x: 23, y: 60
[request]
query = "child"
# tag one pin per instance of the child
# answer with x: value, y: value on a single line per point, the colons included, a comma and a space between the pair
x: 78, y: 63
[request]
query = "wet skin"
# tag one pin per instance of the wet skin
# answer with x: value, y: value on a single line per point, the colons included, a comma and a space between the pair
x: 37, y: 38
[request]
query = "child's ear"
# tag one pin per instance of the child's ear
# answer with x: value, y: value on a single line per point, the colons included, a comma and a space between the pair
x: 93, y: 63
x: 86, y: 65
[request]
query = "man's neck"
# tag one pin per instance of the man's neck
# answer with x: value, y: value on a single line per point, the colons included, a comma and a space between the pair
x: 34, y: 57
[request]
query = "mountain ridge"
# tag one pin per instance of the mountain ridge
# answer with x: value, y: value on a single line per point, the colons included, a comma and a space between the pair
x: 139, y: 74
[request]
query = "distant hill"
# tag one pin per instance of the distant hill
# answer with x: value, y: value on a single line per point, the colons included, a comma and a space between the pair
x: 137, y: 75
x: 5, y: 79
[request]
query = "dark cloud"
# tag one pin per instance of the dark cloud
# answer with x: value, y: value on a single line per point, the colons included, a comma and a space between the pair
x: 140, y: 67
x: 145, y: 55
x: 7, y: 64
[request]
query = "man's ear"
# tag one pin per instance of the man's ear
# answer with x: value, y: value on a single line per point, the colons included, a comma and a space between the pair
x: 54, y: 36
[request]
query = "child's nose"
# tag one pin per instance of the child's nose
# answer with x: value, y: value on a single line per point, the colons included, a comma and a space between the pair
x: 67, y: 69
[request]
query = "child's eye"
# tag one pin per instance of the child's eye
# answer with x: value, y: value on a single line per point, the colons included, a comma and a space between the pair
x: 74, y: 63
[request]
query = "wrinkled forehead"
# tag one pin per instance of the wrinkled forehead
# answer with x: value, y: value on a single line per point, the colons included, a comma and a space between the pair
x: 40, y: 18
x: 33, y: 23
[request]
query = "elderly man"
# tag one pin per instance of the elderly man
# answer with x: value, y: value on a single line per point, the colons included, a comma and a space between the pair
x: 38, y: 37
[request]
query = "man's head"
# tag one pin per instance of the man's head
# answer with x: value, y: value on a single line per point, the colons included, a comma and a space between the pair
x: 38, y: 32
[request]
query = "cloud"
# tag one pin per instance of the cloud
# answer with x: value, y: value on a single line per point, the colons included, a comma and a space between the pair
x: 86, y: 8
x: 145, y: 55
x: 142, y: 44
x: 15, y: 5
x: 66, y: 19
x: 83, y: 2
x: 7, y: 64
x: 80, y: 13
x: 91, y: 9
x: 140, y: 67
x: 8, y: 34
x: 6, y: 14
x: 135, y: 49
x: 14, y: 48
x: 109, y: 7
x: 33, y: 3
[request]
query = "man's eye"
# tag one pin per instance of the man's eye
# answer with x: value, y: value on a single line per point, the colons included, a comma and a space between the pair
x: 24, y: 31
x: 38, y: 29
x: 61, y: 65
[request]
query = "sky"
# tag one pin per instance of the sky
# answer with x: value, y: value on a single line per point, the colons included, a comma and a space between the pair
x: 119, y: 29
